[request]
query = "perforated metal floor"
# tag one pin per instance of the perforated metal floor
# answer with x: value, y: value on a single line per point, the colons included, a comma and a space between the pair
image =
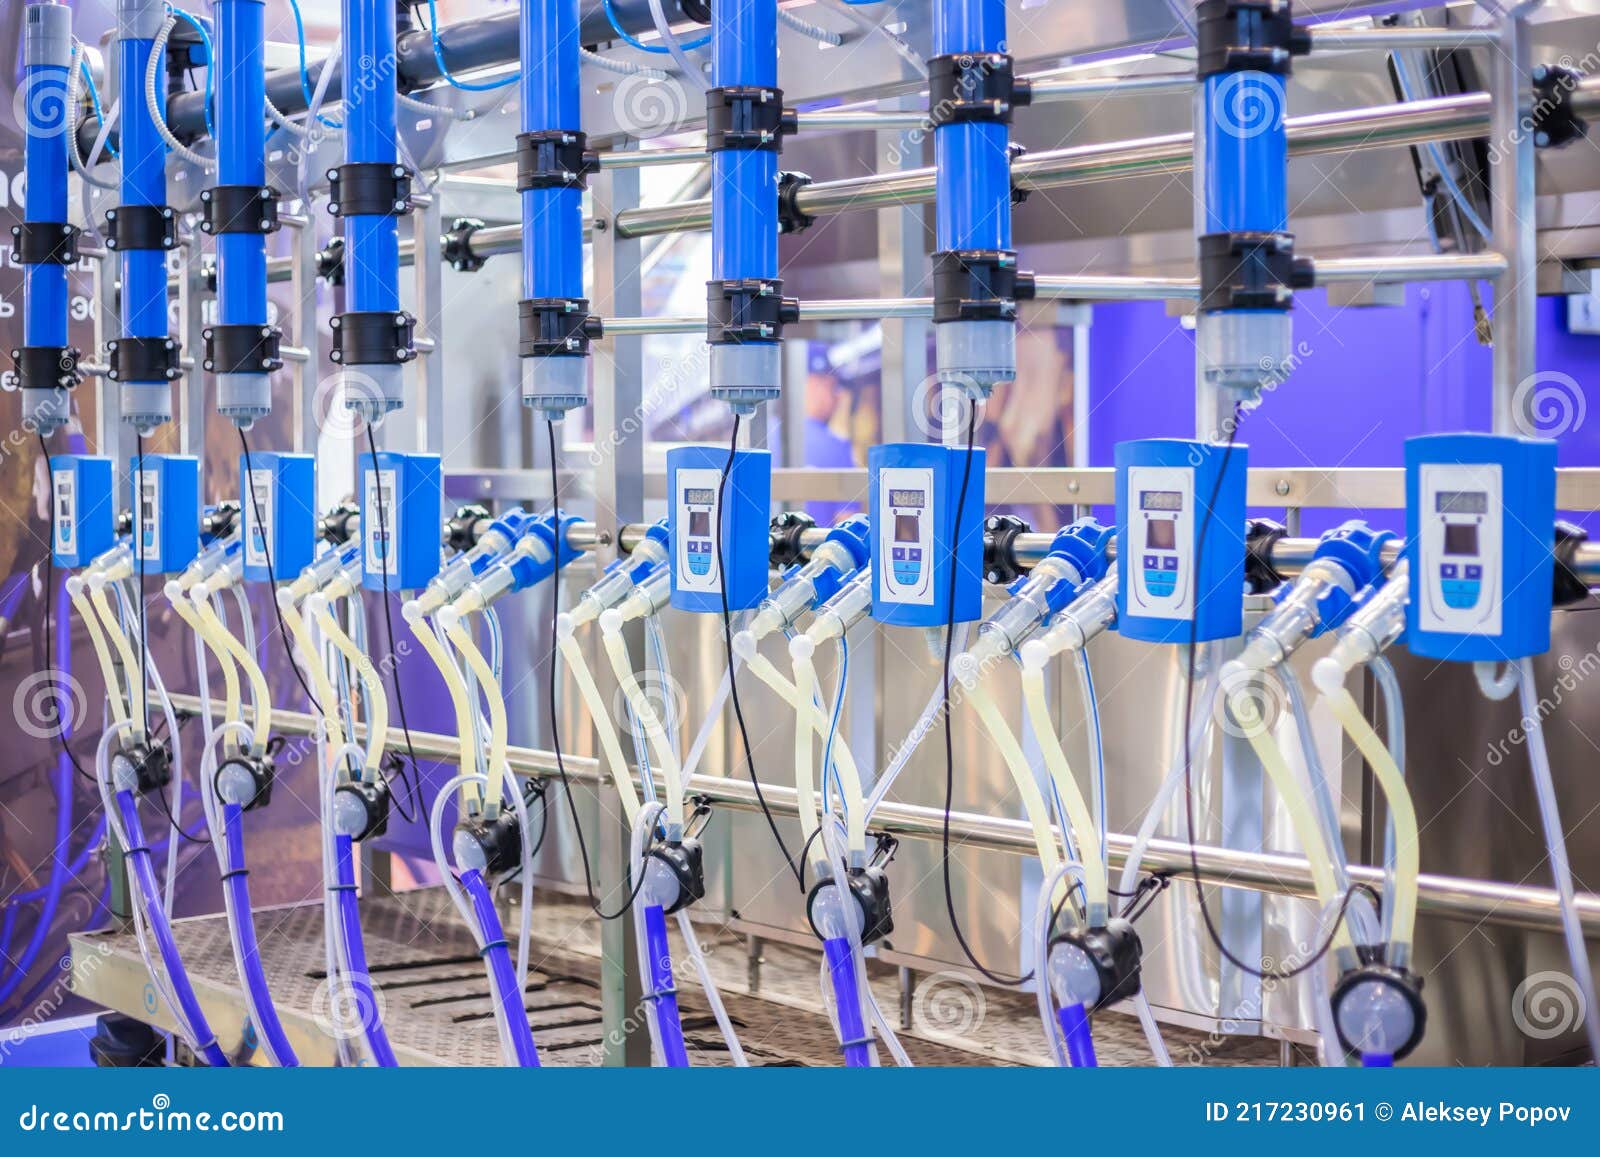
x: 436, y: 1008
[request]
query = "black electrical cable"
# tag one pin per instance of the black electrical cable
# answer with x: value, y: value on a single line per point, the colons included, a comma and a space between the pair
x: 733, y: 680
x: 949, y: 740
x: 1188, y: 765
x: 49, y: 609
x: 138, y: 556
x: 555, y: 721
x: 414, y: 782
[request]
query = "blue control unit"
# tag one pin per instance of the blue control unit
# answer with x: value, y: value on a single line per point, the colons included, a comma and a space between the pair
x: 166, y: 511
x: 1165, y: 487
x: 1480, y: 532
x: 694, y: 476
x: 922, y: 546
x: 401, y: 503
x: 278, y: 509
x: 84, y: 508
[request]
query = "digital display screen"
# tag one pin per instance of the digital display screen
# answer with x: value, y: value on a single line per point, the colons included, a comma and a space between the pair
x: 905, y: 527
x: 1160, y: 500
x: 913, y: 499
x: 700, y: 497
x: 1161, y: 534
x: 699, y: 523
x: 1461, y: 502
x: 1461, y: 538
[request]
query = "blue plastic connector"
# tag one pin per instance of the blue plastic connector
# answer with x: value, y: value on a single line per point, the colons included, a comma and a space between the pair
x: 1358, y: 549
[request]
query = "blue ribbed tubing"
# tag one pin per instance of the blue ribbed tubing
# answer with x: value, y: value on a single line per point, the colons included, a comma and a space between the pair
x: 138, y: 856
x: 372, y: 244
x: 44, y: 320
x: 552, y: 219
x: 144, y: 182
x: 847, y: 1002
x: 241, y: 87
x: 1080, y: 1040
x: 973, y: 168
x: 255, y: 977
x: 497, y: 957
x: 664, y: 986
x: 744, y: 187
x: 355, y: 957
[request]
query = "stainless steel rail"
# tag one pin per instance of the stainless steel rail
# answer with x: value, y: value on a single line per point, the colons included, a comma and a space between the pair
x: 1476, y: 901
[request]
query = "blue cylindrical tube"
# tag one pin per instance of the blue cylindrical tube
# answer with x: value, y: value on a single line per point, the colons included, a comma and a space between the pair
x: 1246, y: 153
x: 972, y: 210
x: 46, y: 121
x: 497, y: 957
x: 552, y: 218
x: 847, y: 1001
x: 373, y: 242
x: 241, y: 86
x: 355, y: 957
x: 138, y: 855
x: 744, y: 196
x: 255, y: 977
x: 664, y: 988
x: 145, y: 403
x: 1080, y: 1039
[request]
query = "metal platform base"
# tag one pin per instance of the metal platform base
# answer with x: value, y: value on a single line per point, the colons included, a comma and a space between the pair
x: 436, y: 1008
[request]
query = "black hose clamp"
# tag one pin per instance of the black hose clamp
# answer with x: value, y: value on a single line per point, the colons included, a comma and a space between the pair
x: 556, y: 327
x: 1569, y: 588
x: 791, y: 219
x: 1015, y: 151
x: 1000, y: 533
x: 220, y: 521
x: 974, y: 87
x: 43, y: 367
x: 749, y: 309
x: 747, y: 117
x: 240, y: 209
x: 457, y: 248
x: 1400, y: 981
x: 369, y: 189
x: 144, y: 359
x: 461, y: 529
x: 1247, y: 36
x: 785, y: 537
x: 1114, y: 951
x: 1250, y: 270
x: 340, y: 525
x: 243, y: 349
x: 1260, y: 536
x: 554, y: 159
x: 373, y: 338
x: 978, y: 285
x: 44, y: 243
x: 1556, y: 123
x: 140, y: 228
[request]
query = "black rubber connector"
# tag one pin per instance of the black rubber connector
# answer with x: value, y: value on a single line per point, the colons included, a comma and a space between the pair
x: 44, y: 243
x: 240, y: 209
x: 870, y: 888
x: 1569, y: 588
x: 1247, y: 36
x: 373, y: 338
x: 791, y: 219
x: 751, y: 309
x: 974, y: 87
x: 47, y: 367
x: 555, y: 327
x: 140, y: 228
x: 1260, y: 536
x: 1115, y: 952
x: 1556, y: 124
x: 144, y: 359
x: 243, y: 349
x: 1251, y: 271
x: 457, y: 250
x: 1000, y: 562
x: 978, y: 285
x: 369, y: 189
x: 750, y: 118
x: 785, y: 537
x: 554, y: 159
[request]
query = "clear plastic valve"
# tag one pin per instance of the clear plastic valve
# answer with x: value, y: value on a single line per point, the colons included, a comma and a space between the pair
x: 843, y: 611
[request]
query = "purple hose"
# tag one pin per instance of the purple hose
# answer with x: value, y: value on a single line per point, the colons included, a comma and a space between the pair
x: 255, y: 978
x: 497, y: 957
x: 668, y: 1021
x: 355, y: 958
x: 1080, y: 1040
x: 1377, y: 1061
x: 138, y: 858
x: 847, y: 1000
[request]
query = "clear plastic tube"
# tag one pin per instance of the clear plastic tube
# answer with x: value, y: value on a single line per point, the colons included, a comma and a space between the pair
x: 423, y: 632
x: 616, y: 650
x: 1320, y: 793
x: 610, y: 748
x: 375, y: 698
x: 801, y: 650
x: 1555, y: 842
x: 1085, y: 833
